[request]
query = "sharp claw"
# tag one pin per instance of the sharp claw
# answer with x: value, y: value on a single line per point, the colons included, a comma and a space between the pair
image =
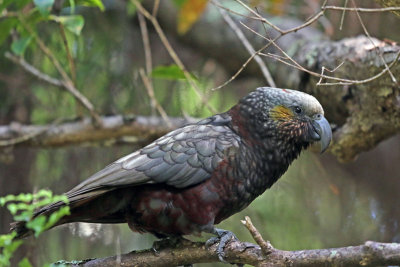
x: 211, y: 241
x: 223, y: 237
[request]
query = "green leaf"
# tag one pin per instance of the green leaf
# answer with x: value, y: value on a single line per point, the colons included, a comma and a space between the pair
x: 44, y: 6
x: 130, y: 8
x: 24, y: 263
x: 43, y: 193
x: 19, y: 46
x: 37, y: 224
x: 56, y: 216
x: 72, y: 23
x: 92, y: 3
x: 179, y: 3
x: 171, y: 72
x: 12, y: 208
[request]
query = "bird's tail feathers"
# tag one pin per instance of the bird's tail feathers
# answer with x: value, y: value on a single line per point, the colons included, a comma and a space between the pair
x: 20, y: 226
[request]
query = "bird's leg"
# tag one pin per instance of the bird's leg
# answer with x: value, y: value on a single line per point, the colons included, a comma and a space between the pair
x: 223, y: 237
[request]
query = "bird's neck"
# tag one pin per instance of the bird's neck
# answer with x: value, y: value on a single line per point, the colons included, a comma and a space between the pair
x: 270, y: 153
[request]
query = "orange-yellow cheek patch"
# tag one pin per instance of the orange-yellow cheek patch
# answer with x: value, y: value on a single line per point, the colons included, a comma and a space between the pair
x: 281, y: 113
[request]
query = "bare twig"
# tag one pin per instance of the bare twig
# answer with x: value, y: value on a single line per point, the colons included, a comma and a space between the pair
x: 32, y: 70
x: 266, y: 246
x: 373, y: 43
x: 69, y: 55
x: 148, y: 60
x: 67, y: 82
x: 146, y: 43
x: 150, y: 91
x: 324, y: 7
x: 248, y: 46
x: 341, y: 81
x: 173, y: 54
x: 343, y: 14
x: 155, y: 7
x: 359, y: 9
x: 260, y: 18
x: 145, y: 76
x: 296, y: 65
x: 323, y: 71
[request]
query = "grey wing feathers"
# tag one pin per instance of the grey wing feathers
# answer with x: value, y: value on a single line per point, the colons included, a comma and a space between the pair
x: 180, y: 158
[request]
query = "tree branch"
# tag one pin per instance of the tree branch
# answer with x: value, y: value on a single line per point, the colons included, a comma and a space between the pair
x: 187, y: 252
x: 115, y: 129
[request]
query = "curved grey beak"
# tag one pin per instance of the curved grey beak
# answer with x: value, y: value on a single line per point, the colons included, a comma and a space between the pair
x: 323, y: 130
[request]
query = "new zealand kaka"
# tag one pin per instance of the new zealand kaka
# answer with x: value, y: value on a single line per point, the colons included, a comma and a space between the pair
x: 200, y: 174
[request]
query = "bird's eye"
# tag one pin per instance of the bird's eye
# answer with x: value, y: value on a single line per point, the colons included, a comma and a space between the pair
x: 298, y: 110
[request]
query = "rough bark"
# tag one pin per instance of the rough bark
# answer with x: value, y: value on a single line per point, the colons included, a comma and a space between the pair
x: 369, y: 254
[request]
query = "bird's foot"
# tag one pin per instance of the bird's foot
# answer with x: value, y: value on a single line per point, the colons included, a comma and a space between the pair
x: 223, y: 237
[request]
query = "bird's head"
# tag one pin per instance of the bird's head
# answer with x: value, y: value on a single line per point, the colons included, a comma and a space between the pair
x: 286, y: 115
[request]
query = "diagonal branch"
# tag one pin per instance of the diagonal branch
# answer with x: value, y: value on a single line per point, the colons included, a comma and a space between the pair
x: 66, y: 80
x: 247, y: 44
x: 66, y: 85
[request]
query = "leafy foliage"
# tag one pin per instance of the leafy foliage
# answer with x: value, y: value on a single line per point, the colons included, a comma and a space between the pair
x: 22, y: 207
x: 171, y: 72
x: 24, y: 19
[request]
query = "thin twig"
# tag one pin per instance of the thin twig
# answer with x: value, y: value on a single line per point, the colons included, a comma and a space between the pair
x: 69, y: 55
x: 173, y: 54
x: 331, y: 71
x: 244, y: 65
x: 67, y: 82
x: 32, y: 70
x: 341, y: 81
x: 248, y: 46
x: 282, y: 33
x: 236, y: 13
x: 359, y: 9
x: 155, y: 7
x: 261, y: 18
x: 296, y: 65
x: 148, y: 60
x: 150, y: 91
x: 146, y: 43
x: 266, y: 246
x: 342, y: 18
x: 372, y: 42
